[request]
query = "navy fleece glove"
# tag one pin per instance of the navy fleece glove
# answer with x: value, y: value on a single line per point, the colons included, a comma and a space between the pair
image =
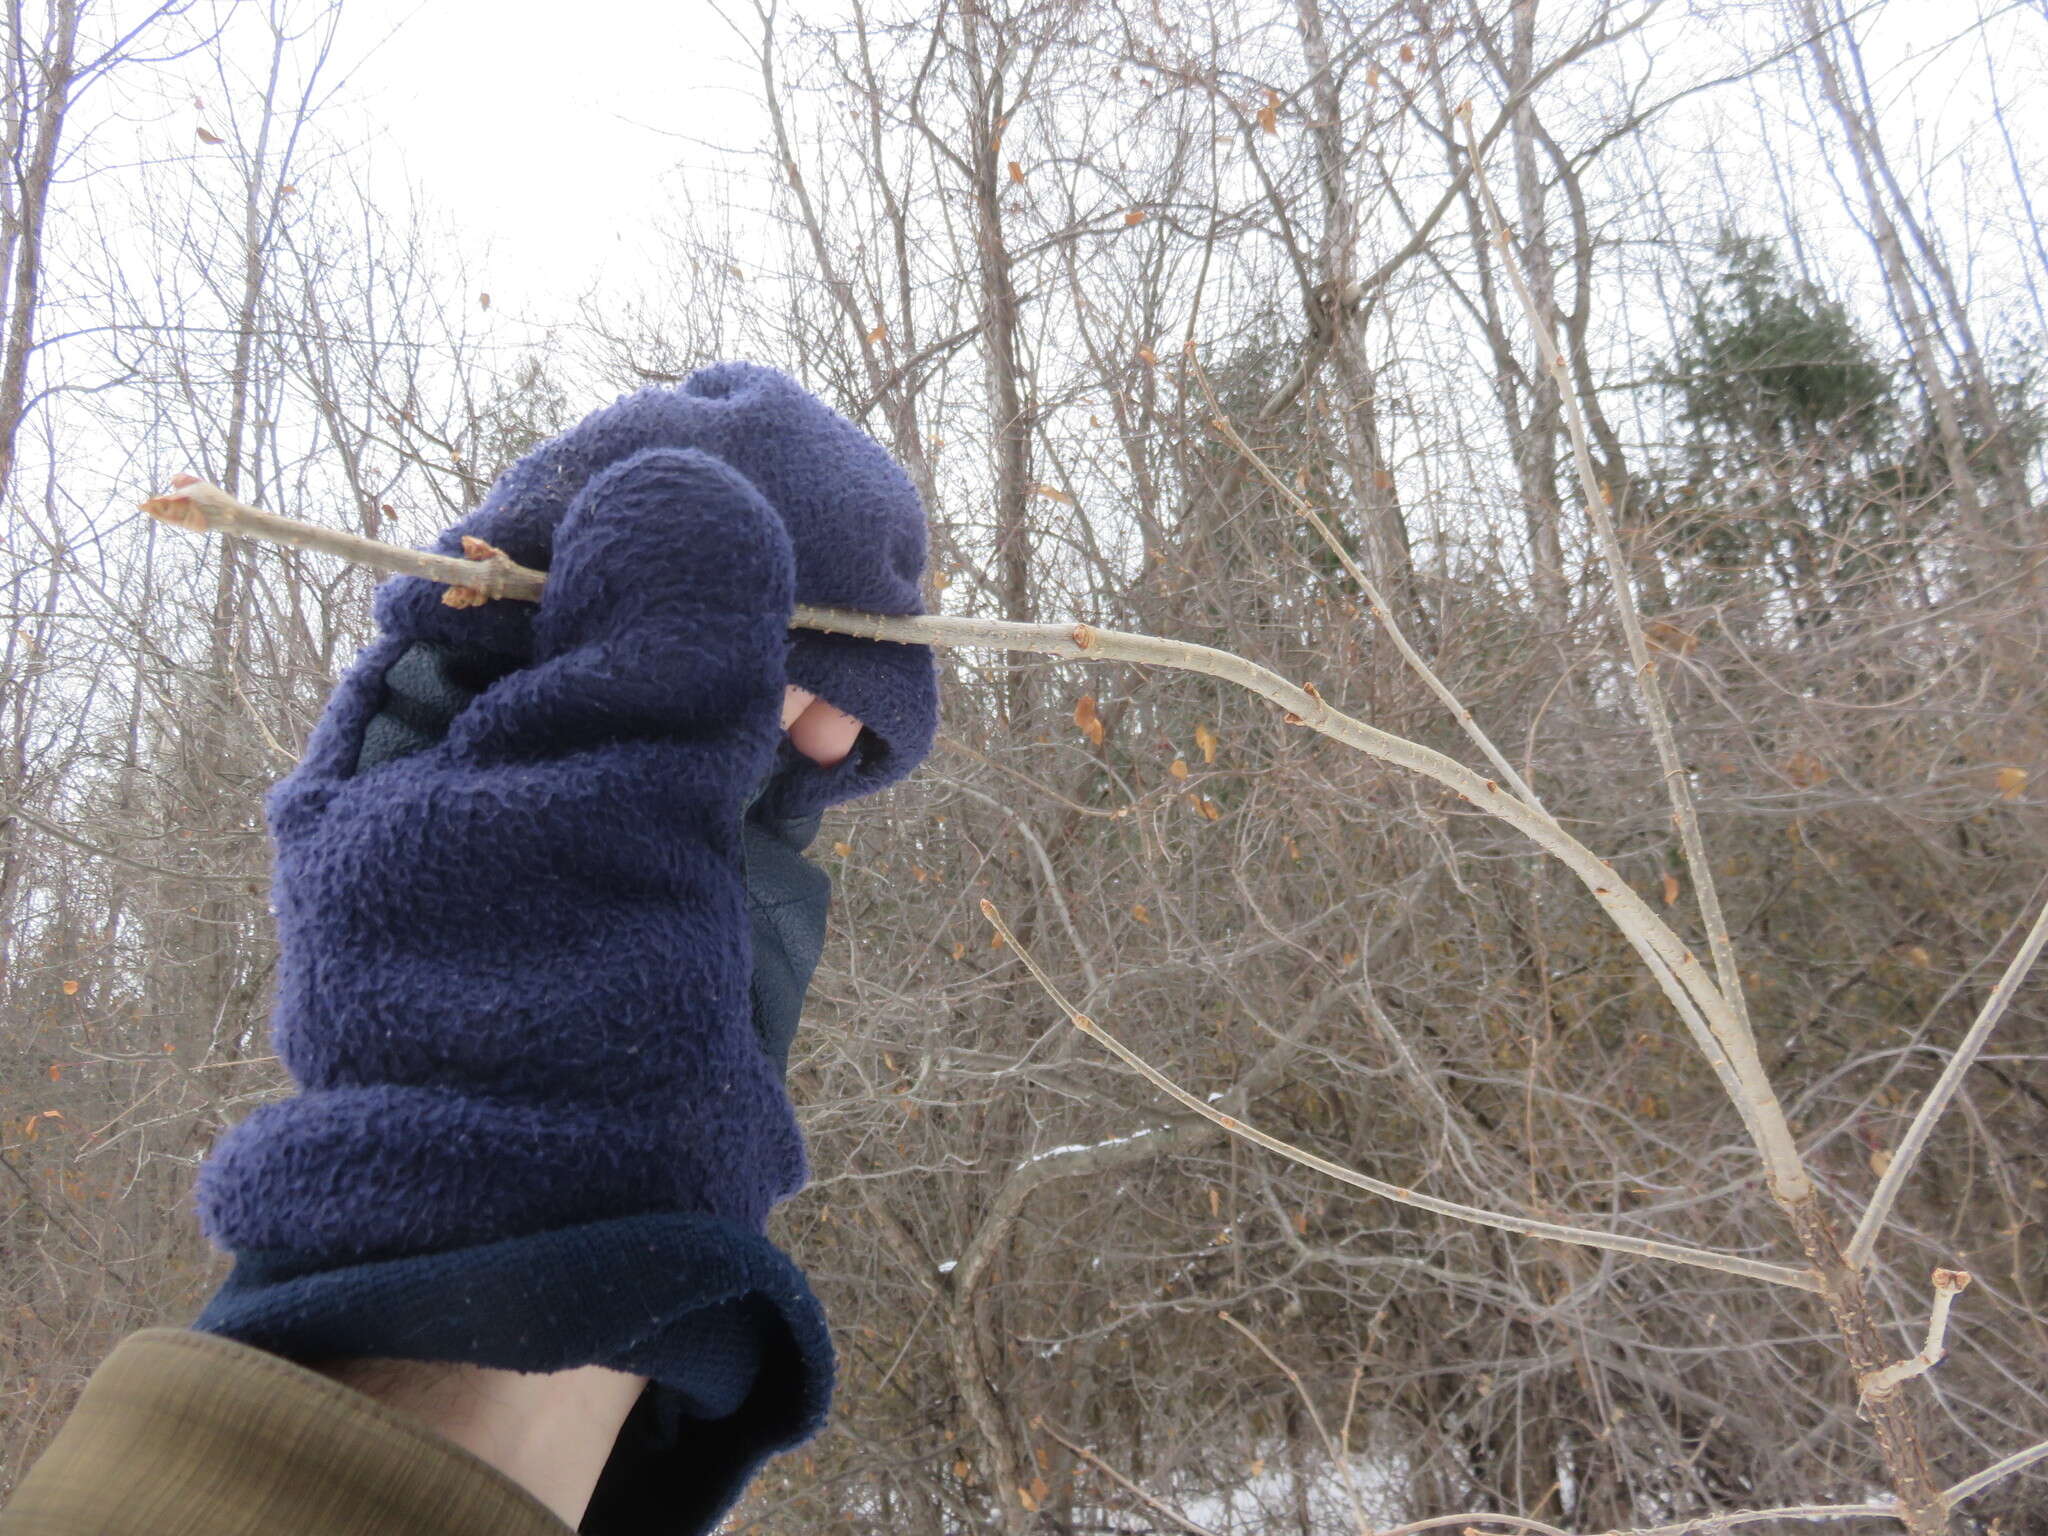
x: 787, y: 896
x: 855, y: 526
x: 543, y: 1120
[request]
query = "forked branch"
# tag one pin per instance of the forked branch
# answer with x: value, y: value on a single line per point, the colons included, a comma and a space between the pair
x: 194, y: 504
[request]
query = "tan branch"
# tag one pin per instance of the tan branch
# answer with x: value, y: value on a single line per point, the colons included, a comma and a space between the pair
x: 1693, y: 994
x: 1713, y: 1525
x: 487, y: 574
x: 2004, y: 1467
x: 1381, y: 610
x: 1337, y: 1449
x: 1689, y: 990
x: 1781, y: 1154
x: 1881, y: 1383
x: 1469, y: 1525
x: 1585, y: 1237
x: 1915, y: 1141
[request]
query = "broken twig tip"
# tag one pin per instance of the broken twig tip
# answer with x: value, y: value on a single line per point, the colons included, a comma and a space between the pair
x: 179, y: 511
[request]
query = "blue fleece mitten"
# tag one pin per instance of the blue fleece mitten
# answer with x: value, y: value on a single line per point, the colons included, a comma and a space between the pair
x: 855, y: 526
x: 787, y: 896
x: 542, y: 1125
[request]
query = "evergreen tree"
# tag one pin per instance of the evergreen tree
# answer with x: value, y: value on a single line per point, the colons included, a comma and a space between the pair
x: 1792, y: 463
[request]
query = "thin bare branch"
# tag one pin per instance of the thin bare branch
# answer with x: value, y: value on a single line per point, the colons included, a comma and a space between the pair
x: 1474, y: 1523
x: 1713, y: 1525
x: 206, y: 508
x: 1699, y: 1003
x: 2004, y: 1467
x: 1166, y: 1511
x: 1339, y: 1451
x: 1613, y: 1242
x: 1947, y: 1284
x: 1915, y: 1140
x: 1381, y: 611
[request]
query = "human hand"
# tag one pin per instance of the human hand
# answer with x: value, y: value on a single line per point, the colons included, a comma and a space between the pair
x: 516, y: 868
x: 822, y: 732
x: 553, y: 1432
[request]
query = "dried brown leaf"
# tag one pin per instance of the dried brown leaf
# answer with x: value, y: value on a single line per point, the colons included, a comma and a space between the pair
x: 1806, y: 770
x: 1087, y: 720
x: 1666, y: 636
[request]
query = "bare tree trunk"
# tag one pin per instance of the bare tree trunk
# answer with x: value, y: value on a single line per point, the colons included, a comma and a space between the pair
x: 34, y: 133
x: 984, y: 56
x: 1536, y: 437
x: 1894, y: 1416
x: 40, y: 78
x: 1925, y: 333
x: 1338, y: 312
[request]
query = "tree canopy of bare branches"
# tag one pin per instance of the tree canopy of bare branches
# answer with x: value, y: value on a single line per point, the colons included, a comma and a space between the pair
x: 1547, y: 1053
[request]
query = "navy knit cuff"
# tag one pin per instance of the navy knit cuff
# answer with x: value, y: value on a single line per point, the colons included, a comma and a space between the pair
x: 719, y: 1320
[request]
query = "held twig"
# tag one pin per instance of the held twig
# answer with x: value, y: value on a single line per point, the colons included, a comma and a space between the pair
x: 1381, y: 610
x: 1585, y: 1237
x: 1689, y: 991
x: 1915, y: 1140
x: 486, y: 574
x: 1698, y: 1001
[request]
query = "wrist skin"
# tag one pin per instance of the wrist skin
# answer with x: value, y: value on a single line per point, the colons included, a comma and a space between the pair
x: 551, y: 1433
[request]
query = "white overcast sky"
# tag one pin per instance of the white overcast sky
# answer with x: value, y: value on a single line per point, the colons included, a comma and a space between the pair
x: 545, y: 131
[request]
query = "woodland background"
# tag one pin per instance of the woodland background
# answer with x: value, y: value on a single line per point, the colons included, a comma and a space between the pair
x: 1793, y: 252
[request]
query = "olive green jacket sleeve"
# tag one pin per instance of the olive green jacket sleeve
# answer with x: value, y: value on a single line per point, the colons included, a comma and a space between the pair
x: 188, y: 1434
